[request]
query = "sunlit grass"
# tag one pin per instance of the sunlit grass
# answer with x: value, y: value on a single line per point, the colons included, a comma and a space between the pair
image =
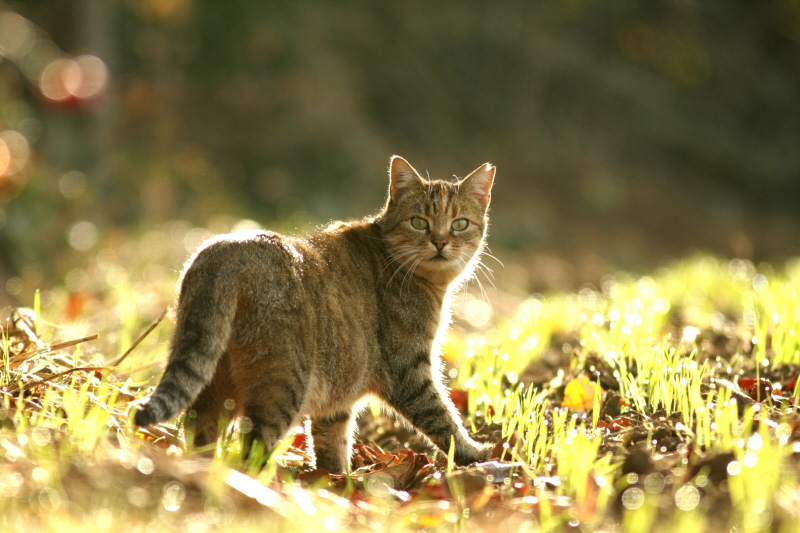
x: 673, y: 345
x: 660, y: 364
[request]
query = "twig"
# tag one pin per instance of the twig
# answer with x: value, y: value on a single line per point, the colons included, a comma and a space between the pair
x: 52, y: 348
x: 117, y: 360
x: 39, y: 381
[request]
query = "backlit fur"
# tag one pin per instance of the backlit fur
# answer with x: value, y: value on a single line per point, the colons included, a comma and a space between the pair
x: 290, y: 328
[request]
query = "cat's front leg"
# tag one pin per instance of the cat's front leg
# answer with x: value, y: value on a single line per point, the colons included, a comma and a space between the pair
x: 416, y: 394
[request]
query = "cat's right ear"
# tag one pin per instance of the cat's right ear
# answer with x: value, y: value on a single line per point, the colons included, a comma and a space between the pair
x: 402, y: 177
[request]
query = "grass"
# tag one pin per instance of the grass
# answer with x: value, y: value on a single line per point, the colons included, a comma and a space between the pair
x: 655, y: 403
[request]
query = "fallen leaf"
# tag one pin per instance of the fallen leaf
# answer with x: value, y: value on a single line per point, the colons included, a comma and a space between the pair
x: 579, y: 394
x: 386, y: 459
x: 299, y: 441
x: 758, y: 391
x: 460, y: 400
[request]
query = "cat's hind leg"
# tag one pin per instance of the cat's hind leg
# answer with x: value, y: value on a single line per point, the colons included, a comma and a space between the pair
x: 333, y: 440
x: 206, y: 413
x: 277, y: 390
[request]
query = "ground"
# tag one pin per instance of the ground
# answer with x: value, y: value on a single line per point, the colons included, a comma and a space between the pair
x: 649, y: 403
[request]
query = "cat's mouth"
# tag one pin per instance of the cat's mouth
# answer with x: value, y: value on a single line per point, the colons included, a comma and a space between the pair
x: 438, y: 257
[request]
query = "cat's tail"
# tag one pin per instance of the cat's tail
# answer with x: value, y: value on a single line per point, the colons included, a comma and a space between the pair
x: 206, y: 307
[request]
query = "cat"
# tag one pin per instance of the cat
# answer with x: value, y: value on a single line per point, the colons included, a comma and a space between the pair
x: 290, y: 327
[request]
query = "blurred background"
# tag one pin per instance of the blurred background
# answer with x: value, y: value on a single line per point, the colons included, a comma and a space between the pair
x: 625, y: 133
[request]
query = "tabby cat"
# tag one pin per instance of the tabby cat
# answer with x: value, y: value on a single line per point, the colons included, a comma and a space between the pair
x: 290, y: 328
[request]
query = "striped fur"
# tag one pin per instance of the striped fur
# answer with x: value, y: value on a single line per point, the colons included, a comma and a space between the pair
x: 294, y: 328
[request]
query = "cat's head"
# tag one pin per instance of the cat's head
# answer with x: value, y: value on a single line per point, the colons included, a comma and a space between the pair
x: 436, y: 228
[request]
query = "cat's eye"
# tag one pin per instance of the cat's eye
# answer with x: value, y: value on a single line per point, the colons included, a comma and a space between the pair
x: 419, y: 223
x: 460, y: 224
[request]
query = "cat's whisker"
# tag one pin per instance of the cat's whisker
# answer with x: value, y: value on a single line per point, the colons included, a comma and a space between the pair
x: 399, y: 268
x: 474, y: 275
x: 490, y: 277
x: 480, y: 260
x: 481, y: 265
x: 488, y: 272
x: 410, y: 273
x: 484, y: 265
x: 394, y: 258
x: 487, y: 253
x: 467, y: 272
x: 398, y: 264
x: 465, y: 284
x: 397, y: 258
x: 405, y: 276
x: 484, y: 296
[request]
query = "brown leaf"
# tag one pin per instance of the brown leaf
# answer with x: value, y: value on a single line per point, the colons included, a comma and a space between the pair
x: 386, y: 459
x: 460, y: 399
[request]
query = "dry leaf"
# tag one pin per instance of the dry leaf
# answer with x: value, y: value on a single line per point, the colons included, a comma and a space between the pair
x: 579, y: 394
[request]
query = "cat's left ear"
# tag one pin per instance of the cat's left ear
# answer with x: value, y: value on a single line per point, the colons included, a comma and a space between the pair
x: 480, y: 181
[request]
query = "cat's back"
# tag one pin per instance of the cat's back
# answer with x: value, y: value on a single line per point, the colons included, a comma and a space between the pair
x: 347, y: 249
x: 337, y: 248
x: 332, y: 270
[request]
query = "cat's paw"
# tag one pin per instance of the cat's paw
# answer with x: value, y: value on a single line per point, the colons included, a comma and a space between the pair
x: 479, y: 453
x: 487, y: 451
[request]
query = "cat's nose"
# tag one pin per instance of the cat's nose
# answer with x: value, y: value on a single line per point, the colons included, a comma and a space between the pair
x: 439, y: 244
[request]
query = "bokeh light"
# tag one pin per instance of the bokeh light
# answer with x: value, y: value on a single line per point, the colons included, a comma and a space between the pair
x: 82, y: 78
x: 654, y: 482
x: 687, y: 497
x: 633, y: 498
x: 83, y: 235
x: 17, y: 35
x: 477, y: 312
x: 72, y: 184
x: 14, y: 156
x: 734, y: 468
x: 14, y: 153
x: 174, y: 494
x: 5, y: 157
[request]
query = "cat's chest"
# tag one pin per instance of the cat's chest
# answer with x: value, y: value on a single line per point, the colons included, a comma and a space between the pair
x: 411, y: 323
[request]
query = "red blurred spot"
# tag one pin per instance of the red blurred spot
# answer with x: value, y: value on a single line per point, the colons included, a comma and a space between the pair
x: 613, y: 426
x: 460, y: 400
x: 299, y: 441
x: 758, y: 391
x: 75, y: 305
